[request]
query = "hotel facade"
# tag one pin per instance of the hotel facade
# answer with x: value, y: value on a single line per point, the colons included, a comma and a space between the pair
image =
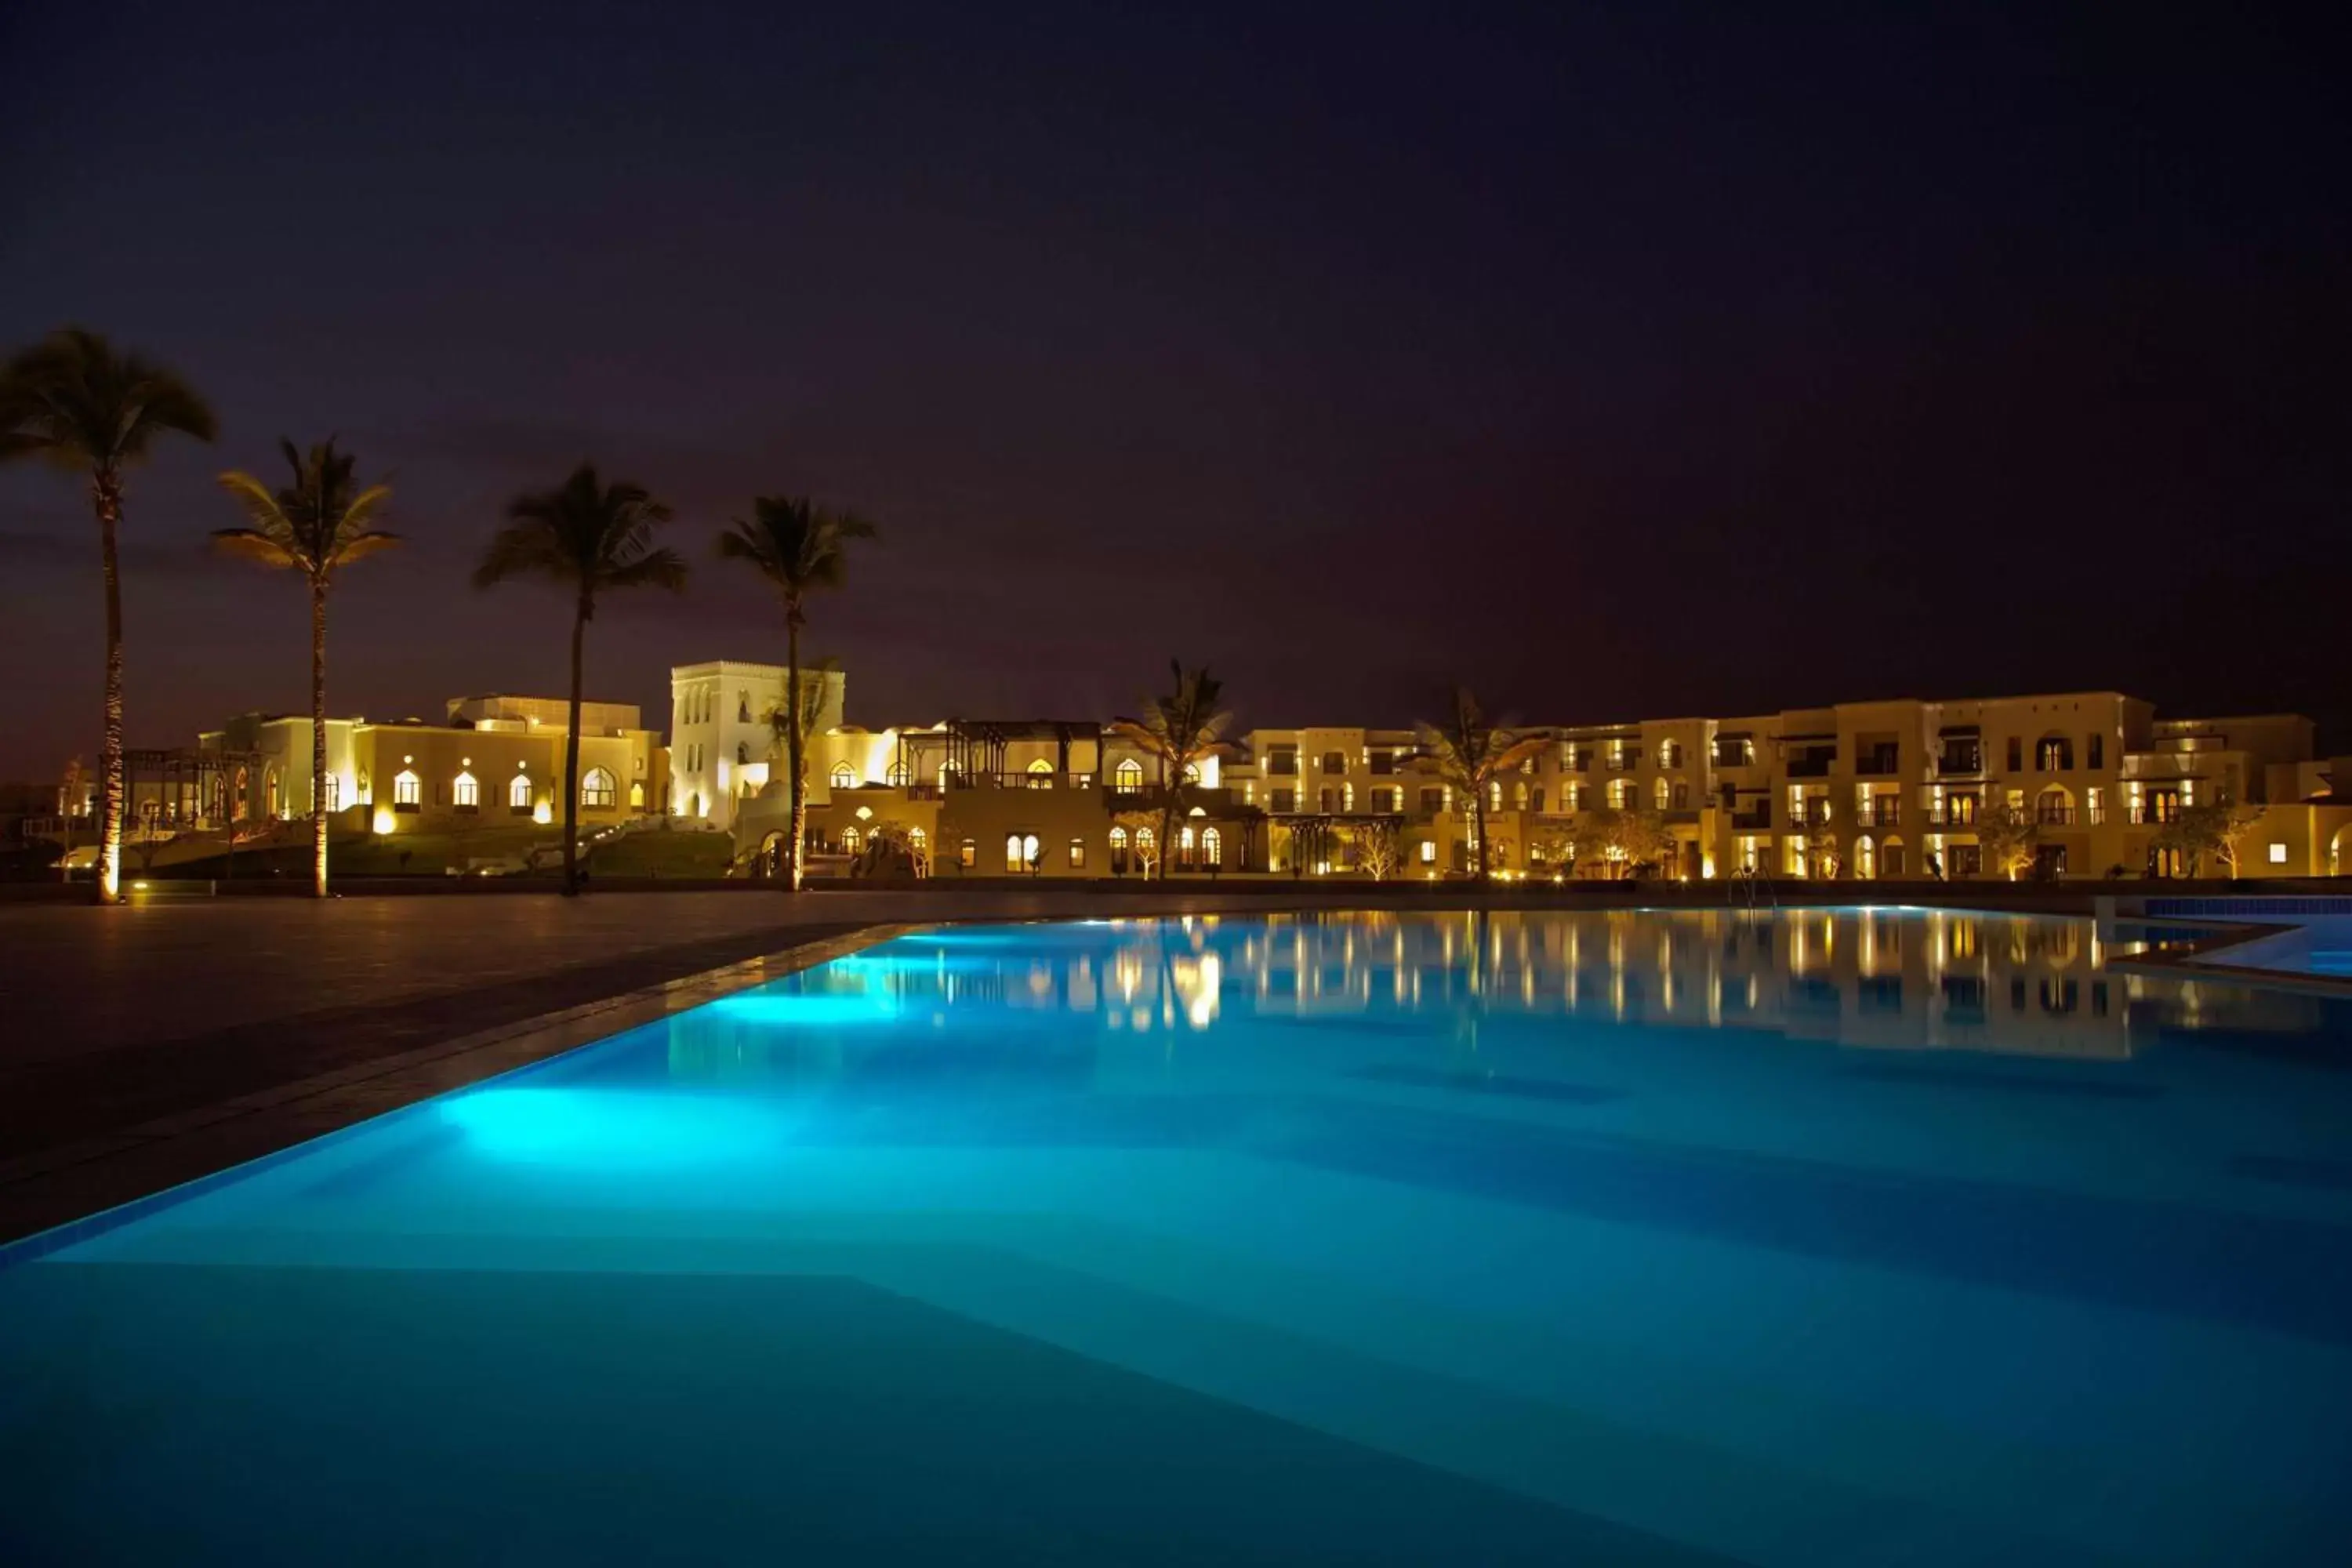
x: 1873, y: 791
x: 1894, y: 790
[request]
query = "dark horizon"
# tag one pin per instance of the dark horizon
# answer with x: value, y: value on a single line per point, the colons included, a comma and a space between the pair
x: 1636, y: 363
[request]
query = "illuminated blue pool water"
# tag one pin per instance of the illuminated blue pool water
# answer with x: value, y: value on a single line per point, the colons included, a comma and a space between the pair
x: 1820, y: 1239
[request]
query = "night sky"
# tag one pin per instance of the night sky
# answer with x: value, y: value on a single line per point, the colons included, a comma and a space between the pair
x: 1644, y: 360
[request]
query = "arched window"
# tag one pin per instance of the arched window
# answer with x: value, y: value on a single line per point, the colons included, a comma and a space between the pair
x: 1495, y: 795
x: 334, y: 791
x: 596, y: 790
x: 743, y: 707
x: 1663, y: 795
x: 900, y: 777
x: 1041, y: 774
x: 743, y: 754
x: 1865, y: 858
x: 269, y: 788
x: 1212, y: 847
x: 407, y: 791
x: 367, y: 793
x: 1119, y: 850
x: 1184, y: 848
x: 1020, y: 851
x: 850, y: 840
x: 637, y: 794
x: 919, y: 844
x: 1191, y: 773
x: 1621, y: 794
x: 465, y: 794
x: 518, y: 793
x: 1129, y: 774
x: 844, y: 776
x: 1518, y: 796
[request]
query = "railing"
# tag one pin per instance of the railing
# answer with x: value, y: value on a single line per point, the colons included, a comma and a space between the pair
x: 1960, y: 762
x: 1751, y: 819
x: 2054, y: 816
x: 1890, y: 815
x: 1809, y: 767
x: 2096, y: 815
x: 1808, y: 816
x: 1949, y: 816
x: 1878, y: 765
x: 1625, y: 763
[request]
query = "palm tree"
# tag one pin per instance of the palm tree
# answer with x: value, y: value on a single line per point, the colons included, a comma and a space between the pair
x: 1470, y: 752
x: 594, y: 539
x: 72, y: 399
x: 800, y: 548
x: 1180, y: 731
x: 317, y: 525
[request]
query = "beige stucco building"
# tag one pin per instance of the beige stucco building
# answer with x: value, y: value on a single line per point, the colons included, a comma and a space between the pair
x: 487, y: 758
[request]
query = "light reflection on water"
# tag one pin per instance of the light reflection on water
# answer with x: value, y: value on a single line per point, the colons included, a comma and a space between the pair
x: 1891, y: 979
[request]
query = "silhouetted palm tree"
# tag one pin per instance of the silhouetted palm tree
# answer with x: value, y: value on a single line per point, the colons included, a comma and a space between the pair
x: 1470, y: 752
x: 800, y: 548
x: 594, y: 539
x: 72, y: 399
x: 1180, y: 730
x: 319, y: 524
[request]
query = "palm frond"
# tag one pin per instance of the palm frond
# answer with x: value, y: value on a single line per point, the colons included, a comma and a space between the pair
x: 71, y: 397
x: 254, y: 544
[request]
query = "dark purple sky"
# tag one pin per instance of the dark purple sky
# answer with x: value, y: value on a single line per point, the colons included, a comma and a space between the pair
x: 1650, y: 360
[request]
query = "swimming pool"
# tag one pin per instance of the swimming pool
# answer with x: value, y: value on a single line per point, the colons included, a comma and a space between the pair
x: 1818, y: 1238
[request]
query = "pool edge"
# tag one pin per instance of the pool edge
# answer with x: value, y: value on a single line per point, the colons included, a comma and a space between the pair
x: 64, y: 1195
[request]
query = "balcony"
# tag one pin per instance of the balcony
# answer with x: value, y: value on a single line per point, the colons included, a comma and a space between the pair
x: 2054, y: 816
x: 1749, y: 821
x: 1625, y: 763
x: 1887, y: 813
x: 1970, y: 761
x: 2096, y: 816
x: 1811, y: 767
x: 1814, y: 813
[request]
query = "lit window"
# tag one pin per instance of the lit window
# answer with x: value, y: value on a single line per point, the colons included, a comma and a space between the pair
x: 900, y: 777
x: 968, y: 853
x: 1077, y: 854
x: 1664, y: 794
x: 1213, y: 846
x: 465, y: 794
x: 367, y: 795
x: 407, y: 792
x: 1129, y: 774
x: 596, y: 791
x: 518, y: 792
x: 844, y: 776
x: 1041, y: 774
x: 1428, y: 852
x: 850, y: 840
x: 2278, y: 854
x: 1119, y: 850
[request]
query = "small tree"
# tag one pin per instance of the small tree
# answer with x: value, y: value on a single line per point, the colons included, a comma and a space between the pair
x: 1142, y: 837
x: 1379, y: 848
x: 889, y: 846
x: 2009, y: 836
x: 1555, y: 847
x: 1627, y: 839
x: 1822, y: 854
x: 2227, y: 828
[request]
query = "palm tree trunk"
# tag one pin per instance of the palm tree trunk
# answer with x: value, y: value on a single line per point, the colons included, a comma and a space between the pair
x: 1168, y: 806
x: 572, y: 763
x: 106, y: 496
x: 1478, y: 829
x: 318, y: 737
x: 795, y: 748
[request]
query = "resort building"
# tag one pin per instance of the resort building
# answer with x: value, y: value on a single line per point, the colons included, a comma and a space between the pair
x: 495, y: 758
x: 1870, y: 790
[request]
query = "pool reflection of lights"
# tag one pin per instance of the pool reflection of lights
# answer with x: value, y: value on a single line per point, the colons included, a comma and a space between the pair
x: 613, y: 1131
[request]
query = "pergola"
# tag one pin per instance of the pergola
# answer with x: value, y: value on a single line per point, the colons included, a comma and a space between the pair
x: 186, y: 786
